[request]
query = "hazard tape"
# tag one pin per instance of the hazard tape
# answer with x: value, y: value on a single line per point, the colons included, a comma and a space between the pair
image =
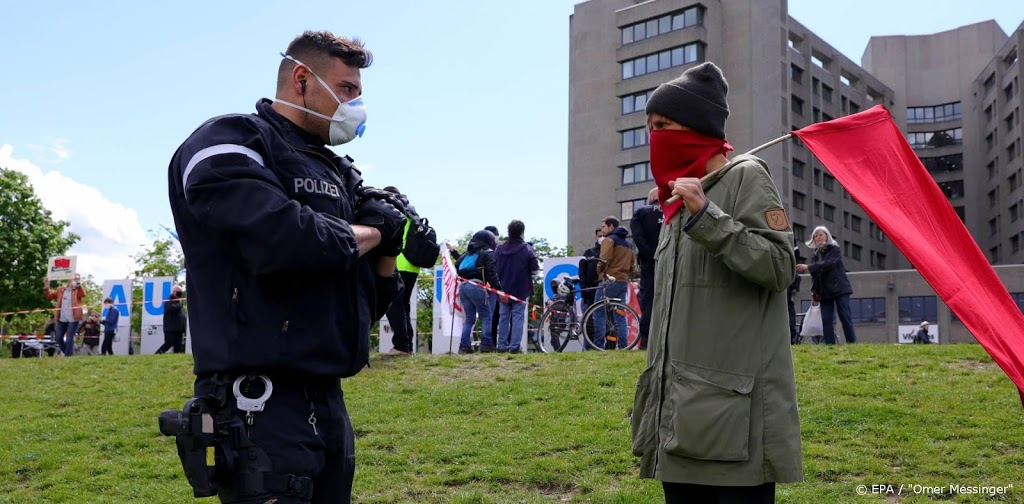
x: 91, y: 307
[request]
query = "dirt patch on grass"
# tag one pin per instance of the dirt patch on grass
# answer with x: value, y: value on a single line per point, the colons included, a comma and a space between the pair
x: 971, y: 364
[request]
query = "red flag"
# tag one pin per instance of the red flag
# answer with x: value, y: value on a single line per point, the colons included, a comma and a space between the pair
x: 870, y: 157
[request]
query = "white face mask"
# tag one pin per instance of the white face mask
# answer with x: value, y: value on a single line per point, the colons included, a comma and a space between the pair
x: 349, y: 120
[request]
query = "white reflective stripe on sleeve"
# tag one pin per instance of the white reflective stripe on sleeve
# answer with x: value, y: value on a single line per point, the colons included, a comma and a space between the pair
x: 214, y: 150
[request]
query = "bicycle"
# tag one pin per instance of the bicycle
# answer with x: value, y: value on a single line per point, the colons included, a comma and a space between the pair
x: 560, y: 324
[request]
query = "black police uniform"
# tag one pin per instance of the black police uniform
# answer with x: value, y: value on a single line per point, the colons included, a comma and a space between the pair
x: 276, y: 287
x: 646, y: 226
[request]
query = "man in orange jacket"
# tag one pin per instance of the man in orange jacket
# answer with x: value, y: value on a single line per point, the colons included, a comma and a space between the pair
x: 68, y: 311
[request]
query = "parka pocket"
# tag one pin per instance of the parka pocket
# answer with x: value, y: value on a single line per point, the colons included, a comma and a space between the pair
x: 712, y: 414
x: 643, y: 416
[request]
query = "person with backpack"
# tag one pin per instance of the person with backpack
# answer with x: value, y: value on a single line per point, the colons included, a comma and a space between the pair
x: 616, y: 266
x: 588, y: 270
x: 478, y: 268
x: 646, y: 226
x: 416, y: 246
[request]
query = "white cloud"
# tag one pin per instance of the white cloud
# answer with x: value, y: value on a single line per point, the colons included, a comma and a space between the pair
x: 60, y: 149
x: 111, y: 233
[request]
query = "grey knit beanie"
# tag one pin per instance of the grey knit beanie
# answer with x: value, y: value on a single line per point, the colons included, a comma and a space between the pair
x: 696, y: 99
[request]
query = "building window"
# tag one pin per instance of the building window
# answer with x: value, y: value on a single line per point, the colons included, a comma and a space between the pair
x: 820, y: 60
x: 798, y: 168
x: 877, y: 260
x: 855, y: 223
x: 994, y: 254
x: 1010, y: 122
x: 950, y: 163
x: 867, y: 310
x: 815, y: 114
x: 796, y: 73
x: 993, y: 198
x: 990, y: 140
x: 993, y: 226
x: 630, y: 207
x: 876, y: 232
x: 916, y: 309
x: 1011, y: 153
x: 1014, y: 244
x: 826, y: 93
x: 932, y: 139
x: 635, y: 102
x: 935, y: 113
x: 814, y: 86
x: 794, y: 41
x: 828, y: 182
x: 960, y: 213
x: 854, y: 108
x: 1014, y: 215
x: 636, y: 173
x: 952, y: 189
x: 1008, y: 91
x: 990, y: 81
x: 678, y: 56
x: 799, y: 232
x: 1010, y: 58
x: 632, y: 138
x: 817, y: 176
x: 662, y: 25
x: 988, y: 113
x: 855, y: 251
x: 798, y: 200
x: 830, y: 213
x: 1013, y: 182
x: 796, y: 105
x: 991, y: 168
x: 817, y: 208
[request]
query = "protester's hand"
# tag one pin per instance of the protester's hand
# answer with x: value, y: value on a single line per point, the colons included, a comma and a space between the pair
x: 383, y: 211
x: 503, y: 299
x: 692, y: 193
x: 814, y: 297
x: 801, y: 268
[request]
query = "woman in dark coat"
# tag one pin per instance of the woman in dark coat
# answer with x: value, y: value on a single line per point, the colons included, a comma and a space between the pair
x: 830, y: 284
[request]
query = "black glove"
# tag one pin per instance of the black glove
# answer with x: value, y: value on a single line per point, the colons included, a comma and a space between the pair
x: 383, y: 211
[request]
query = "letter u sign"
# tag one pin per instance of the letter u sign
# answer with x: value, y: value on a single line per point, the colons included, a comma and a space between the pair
x: 154, y: 292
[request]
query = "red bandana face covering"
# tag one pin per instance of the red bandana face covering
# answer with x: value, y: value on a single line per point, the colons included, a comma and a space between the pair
x: 679, y: 154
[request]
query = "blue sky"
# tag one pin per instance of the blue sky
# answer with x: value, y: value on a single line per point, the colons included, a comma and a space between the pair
x: 467, y: 100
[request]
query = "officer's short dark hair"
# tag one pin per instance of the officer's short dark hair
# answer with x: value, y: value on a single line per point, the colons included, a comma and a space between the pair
x: 315, y: 47
x: 108, y: 300
x: 611, y: 221
x: 516, y: 229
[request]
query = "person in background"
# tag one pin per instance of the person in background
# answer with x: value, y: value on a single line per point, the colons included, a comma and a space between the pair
x: 174, y: 323
x: 109, y: 326
x: 646, y: 227
x: 91, y: 335
x: 478, y: 267
x: 794, y: 331
x: 830, y: 284
x: 516, y: 262
x: 492, y: 297
x: 922, y: 335
x: 614, y: 269
x: 588, y: 270
x: 400, y: 311
x: 68, y: 312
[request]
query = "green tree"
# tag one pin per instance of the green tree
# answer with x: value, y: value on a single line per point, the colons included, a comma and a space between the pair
x: 29, y: 237
x: 160, y: 258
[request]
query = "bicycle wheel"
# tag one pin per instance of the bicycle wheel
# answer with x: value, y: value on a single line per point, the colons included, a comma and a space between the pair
x: 613, y: 309
x: 556, y: 326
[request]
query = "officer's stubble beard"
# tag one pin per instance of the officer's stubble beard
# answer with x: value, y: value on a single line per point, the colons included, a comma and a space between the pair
x: 309, y: 123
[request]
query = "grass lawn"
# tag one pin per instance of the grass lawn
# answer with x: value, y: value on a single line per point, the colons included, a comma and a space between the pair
x: 525, y: 428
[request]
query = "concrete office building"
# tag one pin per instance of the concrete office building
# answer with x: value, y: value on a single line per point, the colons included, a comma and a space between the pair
x: 955, y: 94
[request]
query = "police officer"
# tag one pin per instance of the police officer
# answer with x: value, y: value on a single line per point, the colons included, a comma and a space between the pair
x: 290, y: 259
x: 646, y: 227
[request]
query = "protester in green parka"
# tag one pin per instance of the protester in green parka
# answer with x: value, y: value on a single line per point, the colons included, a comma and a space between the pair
x: 715, y: 413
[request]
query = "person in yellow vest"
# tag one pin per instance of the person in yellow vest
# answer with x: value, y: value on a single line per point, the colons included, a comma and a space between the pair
x: 399, y: 312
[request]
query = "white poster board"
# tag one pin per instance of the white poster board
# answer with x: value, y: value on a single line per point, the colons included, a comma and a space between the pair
x: 120, y: 292
x: 62, y: 267
x: 448, y: 314
x: 155, y: 291
x: 387, y: 332
x: 907, y: 333
x: 557, y: 268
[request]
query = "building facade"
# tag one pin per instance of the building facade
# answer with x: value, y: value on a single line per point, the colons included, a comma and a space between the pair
x: 954, y: 93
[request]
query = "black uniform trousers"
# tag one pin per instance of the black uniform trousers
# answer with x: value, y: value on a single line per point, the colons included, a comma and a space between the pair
x: 686, y: 493
x: 283, y: 431
x: 173, y: 340
x: 399, y: 313
x: 646, y: 302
